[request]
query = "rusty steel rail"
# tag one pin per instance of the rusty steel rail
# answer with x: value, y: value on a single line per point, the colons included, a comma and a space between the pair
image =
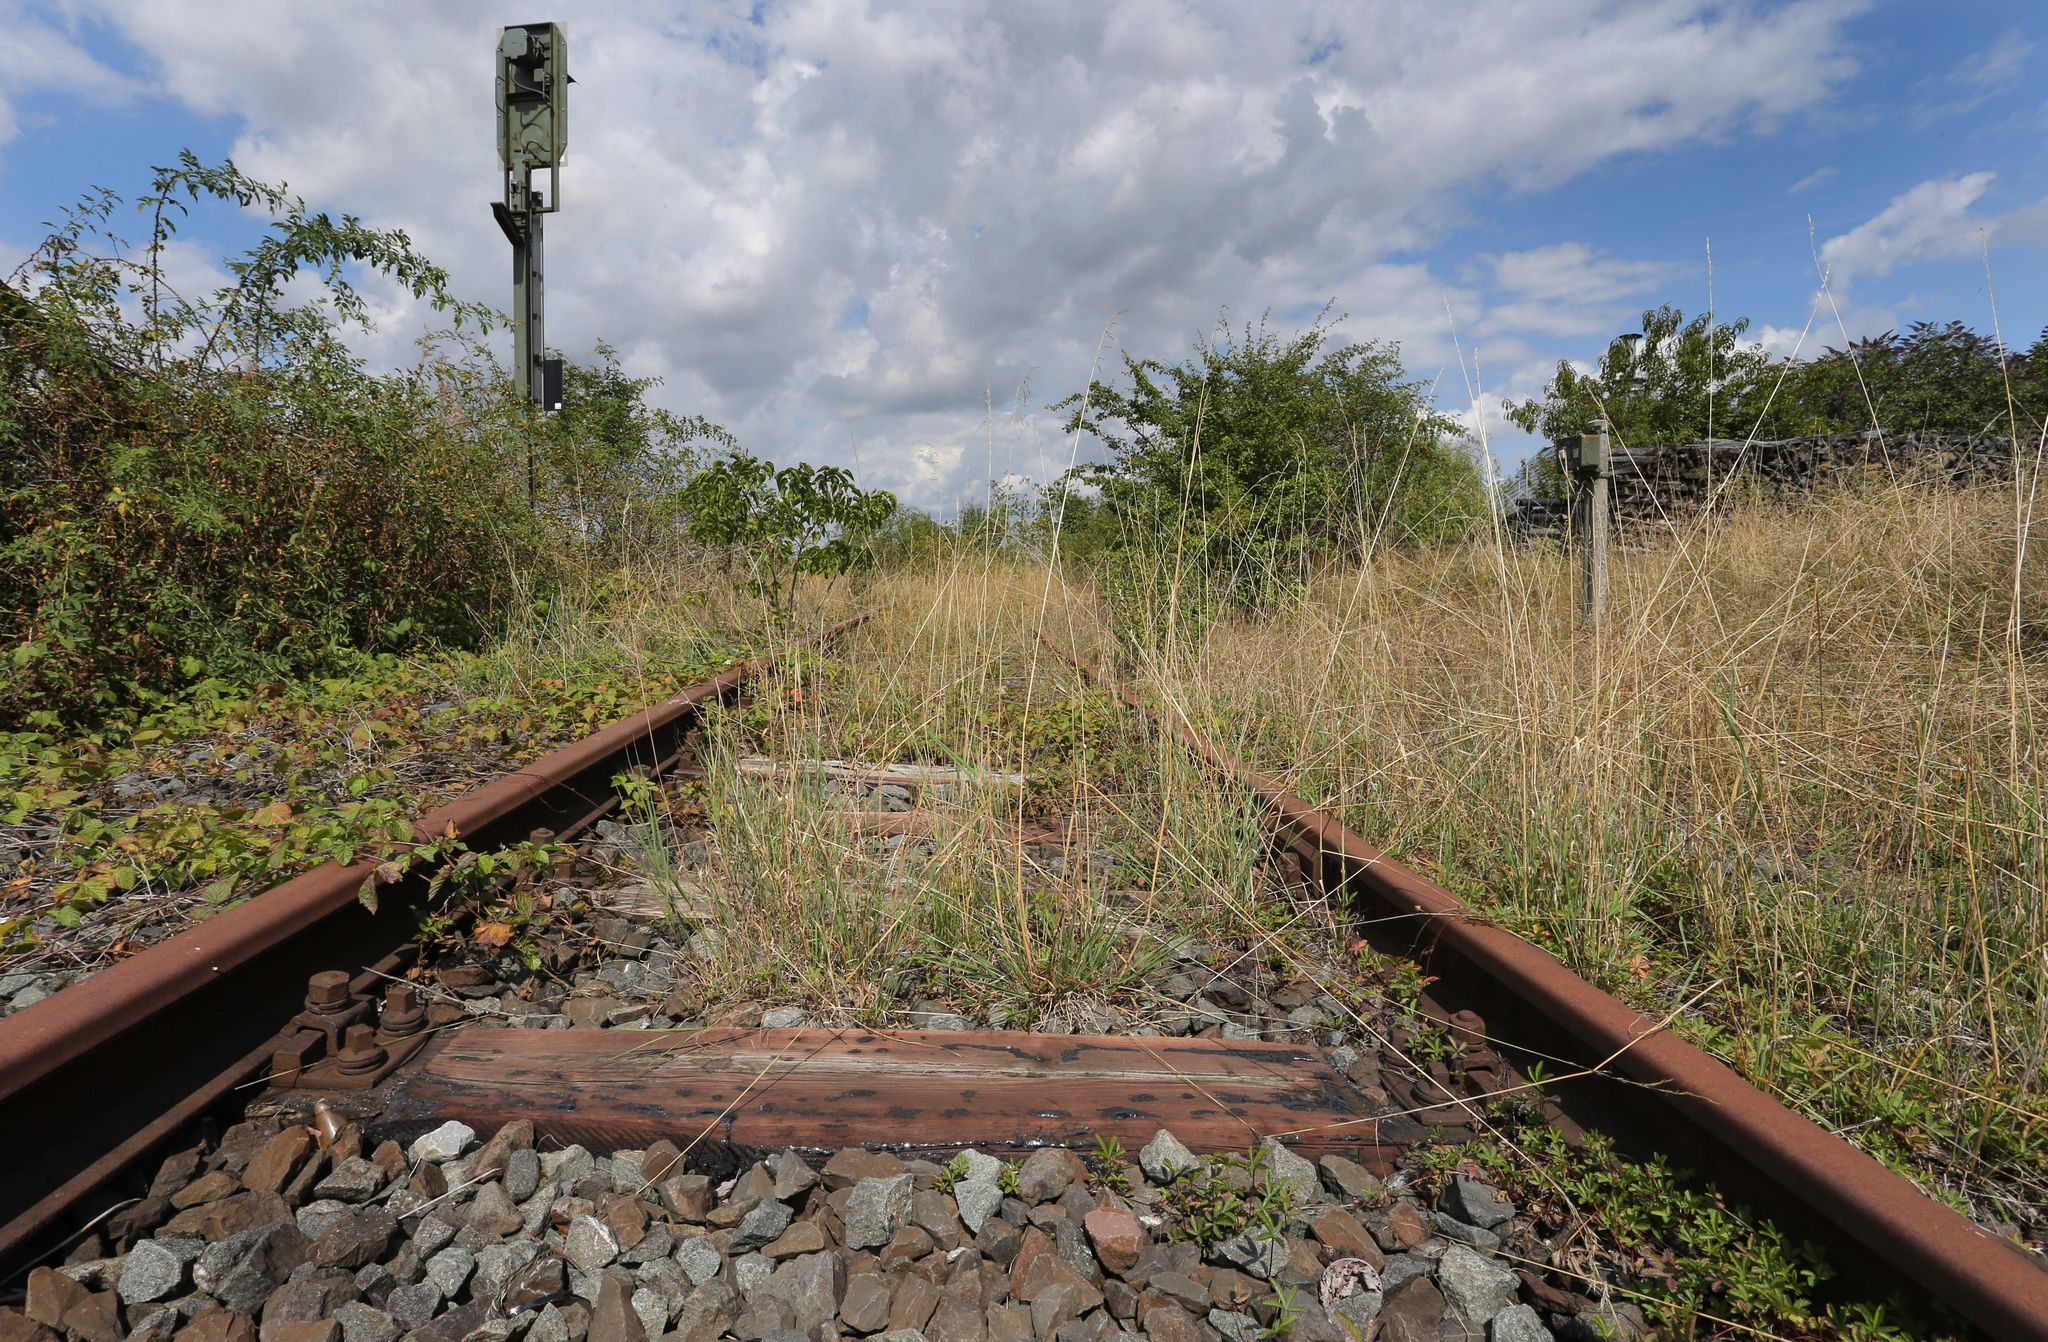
x: 1879, y: 1227
x: 96, y: 1077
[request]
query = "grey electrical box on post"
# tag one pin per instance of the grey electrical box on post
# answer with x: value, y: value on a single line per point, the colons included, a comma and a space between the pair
x: 533, y: 135
x: 1591, y: 457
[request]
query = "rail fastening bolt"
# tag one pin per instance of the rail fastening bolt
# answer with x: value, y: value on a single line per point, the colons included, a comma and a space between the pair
x: 402, y: 1013
x: 359, y: 1051
x: 327, y: 992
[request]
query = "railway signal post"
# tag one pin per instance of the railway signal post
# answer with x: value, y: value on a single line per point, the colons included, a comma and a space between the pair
x: 533, y: 134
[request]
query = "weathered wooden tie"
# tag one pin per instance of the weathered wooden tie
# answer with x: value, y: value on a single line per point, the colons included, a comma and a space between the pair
x: 934, y: 1090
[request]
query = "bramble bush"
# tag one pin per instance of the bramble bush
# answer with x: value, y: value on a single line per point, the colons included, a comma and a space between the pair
x: 215, y: 486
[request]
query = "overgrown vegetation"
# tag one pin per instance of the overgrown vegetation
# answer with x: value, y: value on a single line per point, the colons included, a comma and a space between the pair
x: 214, y: 486
x: 1790, y: 793
x: 223, y: 790
x: 785, y: 524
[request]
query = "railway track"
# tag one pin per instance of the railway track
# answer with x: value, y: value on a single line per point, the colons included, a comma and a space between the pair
x: 274, y: 1080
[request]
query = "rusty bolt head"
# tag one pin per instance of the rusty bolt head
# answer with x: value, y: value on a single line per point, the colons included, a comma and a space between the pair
x: 327, y: 992
x: 402, y: 1013
x: 359, y: 1051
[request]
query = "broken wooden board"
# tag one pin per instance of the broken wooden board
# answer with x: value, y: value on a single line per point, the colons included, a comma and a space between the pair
x: 922, y: 1090
x: 908, y: 775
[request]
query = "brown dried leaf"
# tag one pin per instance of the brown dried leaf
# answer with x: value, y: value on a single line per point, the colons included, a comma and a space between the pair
x: 491, y: 934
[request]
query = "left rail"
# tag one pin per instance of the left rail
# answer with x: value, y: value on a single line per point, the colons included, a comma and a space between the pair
x: 97, y: 1078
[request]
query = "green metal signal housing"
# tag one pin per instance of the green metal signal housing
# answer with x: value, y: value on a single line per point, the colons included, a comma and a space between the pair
x: 533, y: 107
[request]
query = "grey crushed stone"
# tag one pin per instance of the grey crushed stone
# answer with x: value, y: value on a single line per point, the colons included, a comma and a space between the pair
x: 1517, y: 1323
x: 415, y: 1304
x: 444, y: 1143
x: 1474, y: 1203
x: 977, y: 1201
x: 450, y: 1270
x: 765, y: 1223
x: 152, y: 1271
x: 366, y: 1323
x: 1478, y: 1286
x: 522, y: 1175
x: 589, y: 1244
x: 876, y: 1210
x: 1164, y: 1156
x: 699, y: 1259
x: 748, y: 1272
x: 1294, y: 1169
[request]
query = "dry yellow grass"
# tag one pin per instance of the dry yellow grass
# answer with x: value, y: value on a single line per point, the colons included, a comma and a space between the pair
x: 1799, y: 772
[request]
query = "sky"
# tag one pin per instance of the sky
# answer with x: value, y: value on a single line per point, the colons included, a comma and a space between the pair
x: 890, y: 236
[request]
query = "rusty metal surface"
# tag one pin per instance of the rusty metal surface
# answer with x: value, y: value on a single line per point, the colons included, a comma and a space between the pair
x: 1880, y: 1226
x: 88, y: 1074
x: 932, y: 1090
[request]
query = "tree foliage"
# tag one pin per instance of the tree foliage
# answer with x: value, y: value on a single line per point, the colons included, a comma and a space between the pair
x: 1938, y: 377
x: 1694, y: 379
x: 1695, y: 374
x: 213, y: 484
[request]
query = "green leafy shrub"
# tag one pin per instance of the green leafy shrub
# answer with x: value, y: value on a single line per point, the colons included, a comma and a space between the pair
x: 785, y: 523
x: 216, y: 485
x: 1233, y: 473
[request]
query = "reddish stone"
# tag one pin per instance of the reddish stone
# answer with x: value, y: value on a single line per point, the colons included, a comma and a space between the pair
x: 209, y: 1187
x: 273, y: 1165
x: 1405, y: 1229
x: 1340, y: 1232
x: 688, y: 1196
x: 215, y: 1221
x: 218, y: 1325
x: 16, y: 1326
x: 613, y: 1319
x: 1117, y: 1235
x: 850, y: 1166
x: 1171, y: 1323
x: 625, y: 1215
x: 1050, y: 1272
x: 51, y: 1295
x: 390, y: 1158
x: 916, y: 1298
x: 97, y: 1318
x: 301, y: 1330
x: 1412, y: 1312
x: 1035, y: 1246
x: 497, y: 1152
x: 1233, y: 1290
x: 428, y: 1181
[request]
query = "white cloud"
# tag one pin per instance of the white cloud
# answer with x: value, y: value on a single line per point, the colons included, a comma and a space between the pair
x: 1567, y: 288
x: 46, y: 56
x: 1932, y: 219
x: 1975, y: 80
x: 1811, y: 180
x: 988, y: 182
